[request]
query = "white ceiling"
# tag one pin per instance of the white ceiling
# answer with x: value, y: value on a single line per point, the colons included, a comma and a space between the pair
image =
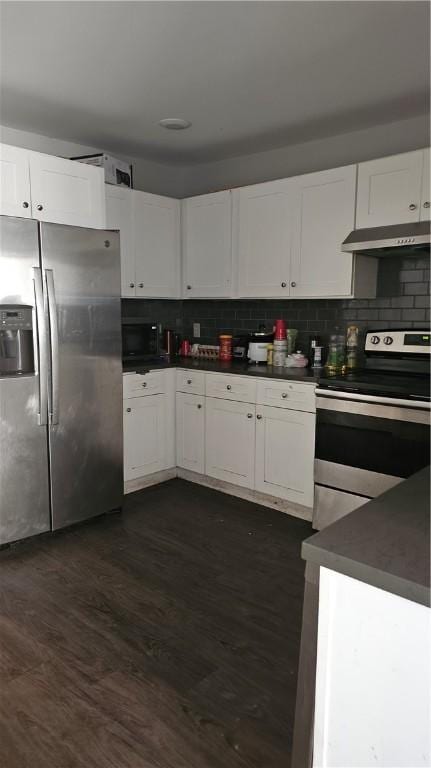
x: 250, y: 76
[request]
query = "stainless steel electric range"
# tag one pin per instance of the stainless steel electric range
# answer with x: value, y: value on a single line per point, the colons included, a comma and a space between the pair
x: 373, y: 425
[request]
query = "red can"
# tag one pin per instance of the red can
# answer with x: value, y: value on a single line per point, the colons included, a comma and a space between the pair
x: 225, y: 352
x: 280, y: 330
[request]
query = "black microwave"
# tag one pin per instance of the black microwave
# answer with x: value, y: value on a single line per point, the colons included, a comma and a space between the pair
x: 140, y: 340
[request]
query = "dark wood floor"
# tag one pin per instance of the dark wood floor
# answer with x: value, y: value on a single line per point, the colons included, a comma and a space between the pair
x: 164, y: 637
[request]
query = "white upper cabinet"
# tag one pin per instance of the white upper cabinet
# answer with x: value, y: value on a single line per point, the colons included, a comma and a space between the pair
x: 263, y: 214
x: 207, y: 245
x: 156, y: 236
x: 15, y: 198
x: 119, y: 216
x: 389, y: 190
x: 426, y: 196
x: 66, y: 192
x: 324, y: 216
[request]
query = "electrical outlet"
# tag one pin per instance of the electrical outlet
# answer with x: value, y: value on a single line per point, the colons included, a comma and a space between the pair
x: 197, y: 330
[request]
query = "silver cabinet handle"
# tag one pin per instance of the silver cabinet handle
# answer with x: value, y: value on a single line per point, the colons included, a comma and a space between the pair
x: 129, y: 410
x: 426, y: 204
x: 53, y: 393
x: 189, y: 381
x: 140, y: 285
x: 249, y: 415
x: 228, y: 387
x: 258, y: 416
x: 283, y: 285
x: 39, y: 207
x: 144, y: 384
x: 132, y: 285
x: 189, y: 287
x: 284, y: 395
x: 41, y: 347
x: 25, y: 204
x: 293, y: 284
x: 199, y: 405
x: 412, y: 207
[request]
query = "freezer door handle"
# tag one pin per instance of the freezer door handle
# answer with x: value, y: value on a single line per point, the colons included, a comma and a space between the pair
x: 53, y: 392
x: 41, y: 346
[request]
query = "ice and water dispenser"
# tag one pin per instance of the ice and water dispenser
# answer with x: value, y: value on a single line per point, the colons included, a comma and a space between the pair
x: 16, y: 339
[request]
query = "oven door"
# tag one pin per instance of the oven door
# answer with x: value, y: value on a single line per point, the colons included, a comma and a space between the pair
x: 363, y: 448
x: 140, y: 340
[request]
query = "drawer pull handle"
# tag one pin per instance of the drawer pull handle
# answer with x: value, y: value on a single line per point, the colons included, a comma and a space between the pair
x: 189, y: 381
x: 258, y: 416
x: 249, y: 415
x: 228, y: 387
x: 128, y: 410
x: 284, y: 395
x: 144, y: 384
x: 412, y: 207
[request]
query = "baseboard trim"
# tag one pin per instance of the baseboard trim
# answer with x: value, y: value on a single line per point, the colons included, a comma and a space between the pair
x: 138, y: 483
x: 287, y: 507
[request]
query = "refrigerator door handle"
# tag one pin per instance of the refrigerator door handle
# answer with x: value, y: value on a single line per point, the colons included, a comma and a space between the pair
x: 53, y: 334
x: 41, y: 347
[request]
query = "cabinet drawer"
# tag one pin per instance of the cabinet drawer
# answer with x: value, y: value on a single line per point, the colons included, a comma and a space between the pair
x: 228, y: 387
x: 287, y: 394
x: 191, y: 381
x: 142, y: 384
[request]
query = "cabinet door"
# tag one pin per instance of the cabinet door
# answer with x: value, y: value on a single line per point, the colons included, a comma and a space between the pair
x: 15, y: 197
x: 156, y: 236
x: 144, y: 436
x: 389, y: 190
x: 191, y: 432
x: 325, y: 214
x: 66, y: 191
x: 264, y: 238
x: 229, y: 441
x: 119, y: 216
x: 285, y: 454
x: 207, y: 239
x: 426, y: 196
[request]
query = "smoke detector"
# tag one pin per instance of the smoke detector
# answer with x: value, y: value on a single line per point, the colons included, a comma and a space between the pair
x: 174, y: 123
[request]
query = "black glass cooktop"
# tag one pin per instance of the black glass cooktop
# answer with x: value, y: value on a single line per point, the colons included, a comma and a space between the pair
x: 414, y: 386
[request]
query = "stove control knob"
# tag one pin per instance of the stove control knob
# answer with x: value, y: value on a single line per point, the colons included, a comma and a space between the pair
x: 375, y: 339
x: 388, y: 340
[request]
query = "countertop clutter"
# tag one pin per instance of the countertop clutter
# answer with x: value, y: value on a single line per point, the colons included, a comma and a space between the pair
x: 239, y: 367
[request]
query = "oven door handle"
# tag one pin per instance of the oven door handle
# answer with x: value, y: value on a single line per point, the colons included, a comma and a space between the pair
x: 339, y: 395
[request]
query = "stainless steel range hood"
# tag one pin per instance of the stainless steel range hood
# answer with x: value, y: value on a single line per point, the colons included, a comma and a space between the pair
x: 389, y: 241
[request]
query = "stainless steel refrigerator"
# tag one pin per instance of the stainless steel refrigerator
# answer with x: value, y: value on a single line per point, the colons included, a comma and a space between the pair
x: 61, y: 443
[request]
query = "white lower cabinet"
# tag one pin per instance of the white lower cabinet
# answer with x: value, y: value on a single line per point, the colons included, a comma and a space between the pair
x: 190, y: 433
x: 145, y: 450
x: 285, y: 454
x: 230, y: 441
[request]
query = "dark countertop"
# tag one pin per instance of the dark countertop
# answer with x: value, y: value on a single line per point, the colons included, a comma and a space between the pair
x: 236, y: 367
x: 385, y: 543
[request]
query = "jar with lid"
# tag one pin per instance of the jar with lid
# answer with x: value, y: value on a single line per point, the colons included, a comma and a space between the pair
x: 336, y: 360
x: 352, y: 344
x: 225, y: 352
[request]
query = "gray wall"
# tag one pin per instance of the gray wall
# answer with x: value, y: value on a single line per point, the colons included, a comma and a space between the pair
x: 149, y: 176
x: 182, y: 181
x: 330, y: 152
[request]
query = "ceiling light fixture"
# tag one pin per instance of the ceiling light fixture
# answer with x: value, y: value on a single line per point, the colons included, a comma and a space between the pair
x: 174, y: 123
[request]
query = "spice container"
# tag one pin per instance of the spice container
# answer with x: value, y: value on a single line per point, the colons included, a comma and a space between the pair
x: 336, y: 361
x: 280, y: 352
x: 352, y: 344
x: 225, y: 352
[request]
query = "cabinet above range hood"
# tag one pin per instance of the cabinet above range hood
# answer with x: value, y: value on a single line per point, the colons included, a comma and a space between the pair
x: 390, y: 240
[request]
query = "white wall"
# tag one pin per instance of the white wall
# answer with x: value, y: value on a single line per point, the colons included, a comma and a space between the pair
x: 148, y: 176
x: 330, y: 152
